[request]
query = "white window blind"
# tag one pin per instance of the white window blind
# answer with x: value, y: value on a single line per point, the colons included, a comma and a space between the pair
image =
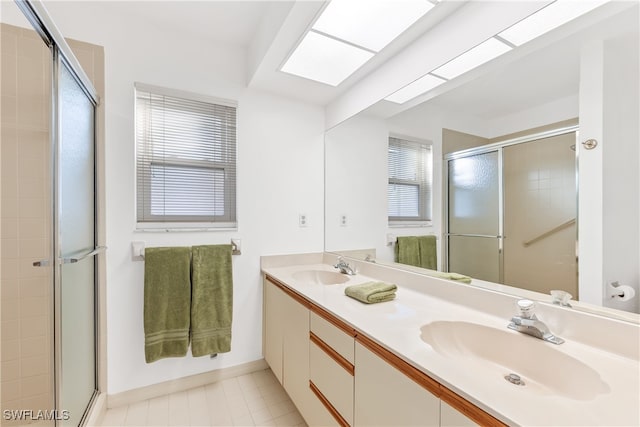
x: 409, y: 189
x: 185, y: 159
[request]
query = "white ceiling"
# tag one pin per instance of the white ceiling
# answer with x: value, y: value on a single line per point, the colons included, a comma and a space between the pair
x: 270, y: 29
x: 542, y: 76
x: 230, y: 22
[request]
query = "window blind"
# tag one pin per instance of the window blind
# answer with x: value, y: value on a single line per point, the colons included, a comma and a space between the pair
x: 185, y: 159
x: 409, y: 189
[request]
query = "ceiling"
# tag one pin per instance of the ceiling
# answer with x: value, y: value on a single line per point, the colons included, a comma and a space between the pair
x: 268, y: 30
x: 520, y: 82
x: 229, y: 22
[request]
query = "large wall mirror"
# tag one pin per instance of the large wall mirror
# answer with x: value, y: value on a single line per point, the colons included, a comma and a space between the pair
x: 516, y: 202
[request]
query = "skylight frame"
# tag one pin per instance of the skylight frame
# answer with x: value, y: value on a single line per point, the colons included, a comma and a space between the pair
x: 478, y: 55
x: 320, y: 72
x: 344, y: 59
x: 377, y: 22
x: 424, y: 84
x: 548, y: 18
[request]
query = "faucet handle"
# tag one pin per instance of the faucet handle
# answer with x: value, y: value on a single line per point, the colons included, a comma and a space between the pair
x: 561, y: 298
x: 526, y: 308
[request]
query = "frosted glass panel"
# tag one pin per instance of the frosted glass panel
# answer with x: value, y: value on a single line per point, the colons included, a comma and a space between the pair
x: 540, y: 212
x: 477, y: 257
x: 473, y: 195
x: 77, y: 237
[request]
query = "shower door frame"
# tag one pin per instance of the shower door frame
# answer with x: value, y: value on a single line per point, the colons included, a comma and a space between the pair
x: 488, y: 148
x: 62, y: 55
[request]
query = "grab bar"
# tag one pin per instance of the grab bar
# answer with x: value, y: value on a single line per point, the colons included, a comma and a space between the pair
x: 96, y: 251
x: 549, y: 233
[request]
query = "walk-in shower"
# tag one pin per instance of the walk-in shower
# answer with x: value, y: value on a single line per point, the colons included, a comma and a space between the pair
x: 511, y: 212
x: 48, y: 288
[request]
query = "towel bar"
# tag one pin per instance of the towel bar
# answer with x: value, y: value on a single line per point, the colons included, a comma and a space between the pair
x: 137, y: 249
x: 392, y: 238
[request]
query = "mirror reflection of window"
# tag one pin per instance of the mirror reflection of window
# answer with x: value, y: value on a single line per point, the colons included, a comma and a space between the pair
x: 410, y: 181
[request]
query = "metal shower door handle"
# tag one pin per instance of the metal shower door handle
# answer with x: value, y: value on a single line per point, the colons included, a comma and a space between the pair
x: 96, y: 251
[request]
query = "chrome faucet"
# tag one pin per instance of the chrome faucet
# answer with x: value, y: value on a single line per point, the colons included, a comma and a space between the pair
x: 344, y: 267
x: 527, y: 323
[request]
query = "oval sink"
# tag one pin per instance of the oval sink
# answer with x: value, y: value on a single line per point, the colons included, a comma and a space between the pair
x: 321, y: 277
x: 502, y: 352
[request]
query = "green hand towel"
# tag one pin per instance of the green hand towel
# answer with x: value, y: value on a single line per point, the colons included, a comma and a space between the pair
x: 167, y: 298
x: 419, y: 251
x: 212, y: 300
x: 372, y: 292
x: 450, y: 276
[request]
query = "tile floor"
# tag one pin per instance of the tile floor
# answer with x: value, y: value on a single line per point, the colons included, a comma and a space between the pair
x: 255, y: 399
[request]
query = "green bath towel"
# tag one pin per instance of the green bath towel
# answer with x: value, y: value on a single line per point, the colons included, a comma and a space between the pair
x: 372, y: 292
x: 419, y: 251
x: 450, y: 276
x: 167, y: 298
x: 212, y: 300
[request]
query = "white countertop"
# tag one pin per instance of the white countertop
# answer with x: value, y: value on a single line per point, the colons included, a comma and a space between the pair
x: 397, y: 326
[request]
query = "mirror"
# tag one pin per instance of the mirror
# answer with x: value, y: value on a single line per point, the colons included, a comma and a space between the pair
x: 549, y: 88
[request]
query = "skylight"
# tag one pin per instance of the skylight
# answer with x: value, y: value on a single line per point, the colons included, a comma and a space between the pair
x: 325, y: 59
x: 371, y: 24
x: 418, y: 87
x: 548, y: 18
x: 484, y: 52
x: 348, y: 33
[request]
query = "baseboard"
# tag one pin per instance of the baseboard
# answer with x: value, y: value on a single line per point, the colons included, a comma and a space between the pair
x: 185, y: 383
x: 97, y: 411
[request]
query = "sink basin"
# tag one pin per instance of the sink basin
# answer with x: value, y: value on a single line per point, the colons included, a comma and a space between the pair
x: 321, y: 277
x: 498, y: 353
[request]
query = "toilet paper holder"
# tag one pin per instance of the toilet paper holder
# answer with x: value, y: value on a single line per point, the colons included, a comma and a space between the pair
x: 620, y: 292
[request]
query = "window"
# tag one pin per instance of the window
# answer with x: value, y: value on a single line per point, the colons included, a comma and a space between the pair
x: 185, y: 160
x: 409, y: 189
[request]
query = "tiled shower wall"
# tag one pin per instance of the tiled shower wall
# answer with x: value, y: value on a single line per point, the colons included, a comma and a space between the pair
x: 25, y: 291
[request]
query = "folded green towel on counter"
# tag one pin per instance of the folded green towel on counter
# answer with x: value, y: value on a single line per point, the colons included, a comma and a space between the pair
x: 372, y: 292
x: 450, y: 276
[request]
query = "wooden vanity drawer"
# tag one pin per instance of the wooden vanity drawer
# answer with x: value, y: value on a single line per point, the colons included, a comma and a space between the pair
x: 336, y: 338
x: 334, y: 380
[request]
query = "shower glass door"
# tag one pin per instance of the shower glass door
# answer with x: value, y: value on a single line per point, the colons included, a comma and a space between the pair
x: 474, y: 239
x: 76, y: 247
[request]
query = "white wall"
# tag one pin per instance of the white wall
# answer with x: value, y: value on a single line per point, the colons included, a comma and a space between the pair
x: 280, y: 170
x: 621, y: 140
x: 356, y: 184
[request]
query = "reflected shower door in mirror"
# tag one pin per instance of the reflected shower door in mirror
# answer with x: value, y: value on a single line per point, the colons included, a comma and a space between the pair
x: 512, y: 213
x: 474, y: 238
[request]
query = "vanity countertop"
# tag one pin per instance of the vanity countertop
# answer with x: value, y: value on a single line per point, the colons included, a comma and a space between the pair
x: 586, y: 385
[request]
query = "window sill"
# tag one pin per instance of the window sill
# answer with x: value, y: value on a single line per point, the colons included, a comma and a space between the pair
x: 175, y: 227
x: 410, y: 224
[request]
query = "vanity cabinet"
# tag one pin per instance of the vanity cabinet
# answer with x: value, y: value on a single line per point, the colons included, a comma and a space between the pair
x: 337, y: 376
x: 450, y: 417
x: 274, y: 297
x: 331, y: 369
x: 286, y: 334
x: 386, y: 396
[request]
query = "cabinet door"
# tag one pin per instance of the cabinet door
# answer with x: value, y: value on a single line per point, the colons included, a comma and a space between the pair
x: 384, y: 396
x: 450, y: 417
x: 274, y: 299
x: 296, y: 352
